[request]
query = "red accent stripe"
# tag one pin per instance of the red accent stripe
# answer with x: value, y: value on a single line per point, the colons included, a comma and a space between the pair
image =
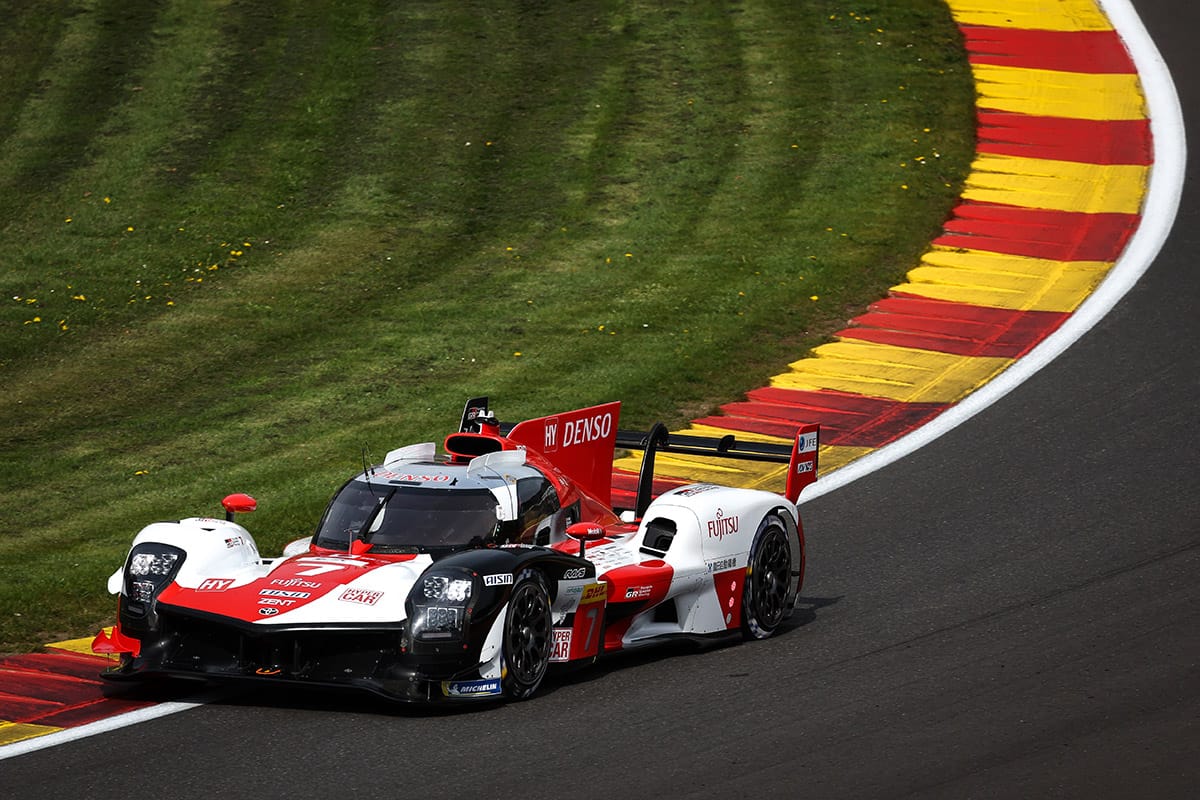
x: 956, y: 328
x: 1099, y: 52
x: 1118, y: 141
x: 1038, y: 233
x: 848, y: 420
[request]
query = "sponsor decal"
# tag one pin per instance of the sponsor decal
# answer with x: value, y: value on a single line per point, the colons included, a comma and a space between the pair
x: 409, y: 477
x: 560, y: 650
x: 803, y: 467
x: 503, y: 579
x: 721, y: 564
x: 574, y: 573
x: 808, y: 442
x: 586, y: 430
x: 593, y: 593
x: 235, y: 541
x: 283, y: 593
x: 275, y: 601
x: 214, y: 584
x: 266, y: 671
x: 268, y: 612
x: 551, y: 439
x: 322, y: 564
x: 296, y: 583
x: 638, y: 592
x: 700, y: 488
x: 722, y: 526
x: 364, y: 596
x: 485, y: 688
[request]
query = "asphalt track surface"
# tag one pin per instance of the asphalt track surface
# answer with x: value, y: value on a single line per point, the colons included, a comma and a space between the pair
x: 1011, y: 611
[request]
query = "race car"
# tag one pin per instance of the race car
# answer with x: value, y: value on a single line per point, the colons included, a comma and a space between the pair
x: 470, y: 574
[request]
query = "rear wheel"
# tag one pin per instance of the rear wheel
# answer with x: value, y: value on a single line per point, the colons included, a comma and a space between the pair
x: 768, y: 576
x: 527, y: 635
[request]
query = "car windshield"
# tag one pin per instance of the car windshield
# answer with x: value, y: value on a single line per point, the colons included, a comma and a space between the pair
x: 407, y: 518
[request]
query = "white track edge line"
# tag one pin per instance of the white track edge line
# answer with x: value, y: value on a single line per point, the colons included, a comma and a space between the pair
x: 107, y: 724
x: 1161, y: 204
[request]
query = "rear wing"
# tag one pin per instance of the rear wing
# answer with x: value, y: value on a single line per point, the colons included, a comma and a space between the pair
x: 800, y: 455
x: 581, y: 442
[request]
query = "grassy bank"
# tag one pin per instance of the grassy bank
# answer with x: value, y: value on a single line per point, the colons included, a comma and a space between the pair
x: 246, y: 239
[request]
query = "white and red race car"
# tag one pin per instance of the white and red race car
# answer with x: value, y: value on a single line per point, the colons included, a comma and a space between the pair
x: 470, y: 574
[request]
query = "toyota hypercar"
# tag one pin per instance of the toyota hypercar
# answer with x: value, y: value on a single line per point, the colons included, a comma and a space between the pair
x: 470, y: 573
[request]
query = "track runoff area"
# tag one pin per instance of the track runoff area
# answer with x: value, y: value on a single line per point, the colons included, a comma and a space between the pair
x: 1075, y: 185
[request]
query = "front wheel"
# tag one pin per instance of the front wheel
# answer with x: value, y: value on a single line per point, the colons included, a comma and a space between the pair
x: 768, y: 576
x: 527, y: 635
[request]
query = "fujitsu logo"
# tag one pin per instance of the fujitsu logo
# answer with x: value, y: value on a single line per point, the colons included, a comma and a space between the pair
x: 722, y: 526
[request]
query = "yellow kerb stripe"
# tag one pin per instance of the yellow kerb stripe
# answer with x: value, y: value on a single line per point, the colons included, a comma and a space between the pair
x: 1051, y: 15
x: 1056, y: 185
x: 897, y: 373
x: 730, y: 472
x: 1052, y: 93
x: 83, y: 645
x: 19, y: 731
x: 1003, y: 281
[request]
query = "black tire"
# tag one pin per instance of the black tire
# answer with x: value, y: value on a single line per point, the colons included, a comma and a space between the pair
x: 528, y: 635
x: 768, y: 580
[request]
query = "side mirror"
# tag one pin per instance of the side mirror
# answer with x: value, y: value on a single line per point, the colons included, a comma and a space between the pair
x: 584, y: 532
x: 238, y: 504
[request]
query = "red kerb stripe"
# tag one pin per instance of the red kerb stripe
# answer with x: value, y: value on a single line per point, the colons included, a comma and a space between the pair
x: 1098, y: 52
x: 1038, y: 233
x: 955, y: 328
x: 1116, y: 141
x: 846, y: 419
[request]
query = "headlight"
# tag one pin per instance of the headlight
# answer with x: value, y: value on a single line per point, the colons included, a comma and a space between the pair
x: 442, y: 588
x: 157, y: 563
x: 440, y: 606
x: 151, y: 567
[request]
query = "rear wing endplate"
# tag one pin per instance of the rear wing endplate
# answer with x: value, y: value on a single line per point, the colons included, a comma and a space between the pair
x: 800, y: 455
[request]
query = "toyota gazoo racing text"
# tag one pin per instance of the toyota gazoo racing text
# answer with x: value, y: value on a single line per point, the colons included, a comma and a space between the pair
x: 469, y: 574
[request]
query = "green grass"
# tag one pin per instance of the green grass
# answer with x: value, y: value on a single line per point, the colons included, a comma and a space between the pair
x: 247, y: 238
